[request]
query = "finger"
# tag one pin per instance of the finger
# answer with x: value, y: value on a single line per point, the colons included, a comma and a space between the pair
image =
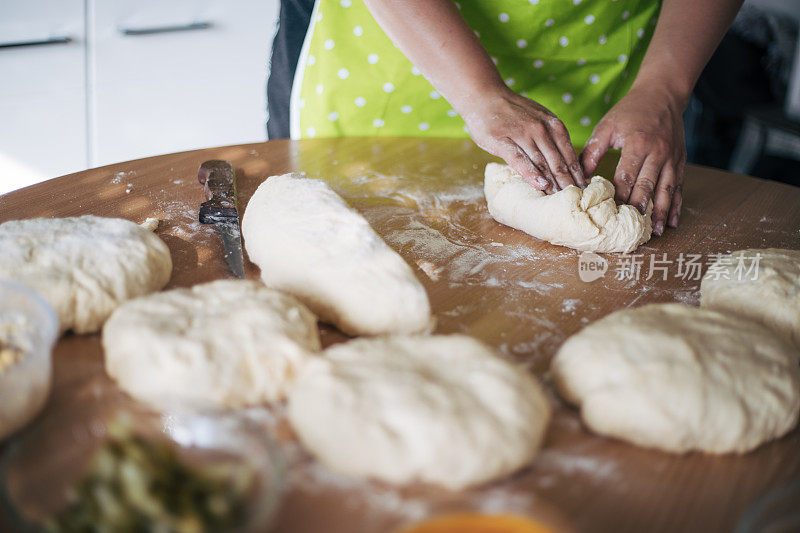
x: 560, y: 135
x: 675, y: 209
x: 518, y: 160
x: 555, y: 161
x: 646, y: 183
x: 677, y: 198
x: 665, y: 191
x: 540, y: 163
x: 596, y: 147
x: 628, y: 168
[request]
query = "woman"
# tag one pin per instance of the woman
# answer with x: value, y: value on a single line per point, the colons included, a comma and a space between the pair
x: 524, y: 78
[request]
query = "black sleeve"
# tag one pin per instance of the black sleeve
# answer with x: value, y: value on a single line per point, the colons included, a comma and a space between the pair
x: 293, y: 21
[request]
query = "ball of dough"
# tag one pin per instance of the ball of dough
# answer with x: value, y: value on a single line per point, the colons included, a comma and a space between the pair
x: 28, y: 330
x: 442, y: 409
x: 226, y: 343
x: 765, y: 289
x: 310, y: 243
x: 83, y: 266
x: 584, y: 219
x: 679, y: 378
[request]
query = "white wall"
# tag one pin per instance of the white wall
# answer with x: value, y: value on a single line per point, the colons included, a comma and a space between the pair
x: 109, y: 96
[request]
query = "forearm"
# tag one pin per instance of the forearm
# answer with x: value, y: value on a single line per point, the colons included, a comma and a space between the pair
x: 435, y: 37
x: 686, y: 35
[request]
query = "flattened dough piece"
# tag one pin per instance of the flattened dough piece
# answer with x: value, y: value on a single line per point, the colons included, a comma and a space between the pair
x: 442, y: 409
x: 84, y: 266
x: 310, y: 243
x: 226, y: 343
x: 772, y: 298
x: 679, y: 378
x: 584, y: 219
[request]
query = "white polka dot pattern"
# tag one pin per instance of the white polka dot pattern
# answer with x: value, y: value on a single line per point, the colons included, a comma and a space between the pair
x: 356, y: 82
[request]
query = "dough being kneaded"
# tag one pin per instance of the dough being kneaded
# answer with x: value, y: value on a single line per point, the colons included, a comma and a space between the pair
x: 227, y: 343
x: 310, y: 243
x: 584, y: 219
x: 763, y: 285
x: 442, y: 409
x: 679, y: 378
x: 84, y: 266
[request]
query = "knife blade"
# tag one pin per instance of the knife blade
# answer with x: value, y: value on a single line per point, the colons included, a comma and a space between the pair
x: 219, y: 184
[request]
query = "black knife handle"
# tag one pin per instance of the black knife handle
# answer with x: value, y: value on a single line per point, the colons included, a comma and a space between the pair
x: 219, y: 184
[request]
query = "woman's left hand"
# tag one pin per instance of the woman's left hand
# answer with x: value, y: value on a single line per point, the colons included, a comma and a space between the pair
x: 647, y: 126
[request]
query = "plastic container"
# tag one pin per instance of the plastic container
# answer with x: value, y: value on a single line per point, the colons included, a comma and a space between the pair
x: 777, y: 511
x: 28, y: 330
x: 48, y: 459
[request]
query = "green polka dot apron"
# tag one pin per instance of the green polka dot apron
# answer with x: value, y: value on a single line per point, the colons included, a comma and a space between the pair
x: 576, y: 57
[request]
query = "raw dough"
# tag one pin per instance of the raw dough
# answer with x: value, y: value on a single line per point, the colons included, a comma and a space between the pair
x: 680, y: 378
x: 83, y: 266
x: 441, y: 409
x: 584, y: 219
x: 773, y: 298
x: 28, y: 330
x: 225, y: 343
x: 308, y: 242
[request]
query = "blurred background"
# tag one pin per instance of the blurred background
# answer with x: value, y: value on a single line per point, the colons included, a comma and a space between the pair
x: 84, y: 83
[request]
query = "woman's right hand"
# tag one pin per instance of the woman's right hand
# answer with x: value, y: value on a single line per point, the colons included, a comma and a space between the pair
x: 528, y: 136
x: 435, y: 37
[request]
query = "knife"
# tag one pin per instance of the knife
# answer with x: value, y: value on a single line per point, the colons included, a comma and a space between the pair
x: 219, y: 181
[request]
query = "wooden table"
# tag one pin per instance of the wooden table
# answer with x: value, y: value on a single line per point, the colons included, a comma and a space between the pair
x: 484, y: 279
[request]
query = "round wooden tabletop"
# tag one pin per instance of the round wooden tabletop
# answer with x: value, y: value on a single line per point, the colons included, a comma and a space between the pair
x: 523, y: 296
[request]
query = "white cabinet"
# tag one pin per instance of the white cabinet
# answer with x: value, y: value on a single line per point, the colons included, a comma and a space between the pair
x: 170, y: 76
x: 137, y: 78
x: 42, y: 91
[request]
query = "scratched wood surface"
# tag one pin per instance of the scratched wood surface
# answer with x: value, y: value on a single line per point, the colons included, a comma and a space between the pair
x: 520, y: 295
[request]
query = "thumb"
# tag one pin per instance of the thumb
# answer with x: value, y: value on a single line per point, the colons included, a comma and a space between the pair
x: 596, y: 147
